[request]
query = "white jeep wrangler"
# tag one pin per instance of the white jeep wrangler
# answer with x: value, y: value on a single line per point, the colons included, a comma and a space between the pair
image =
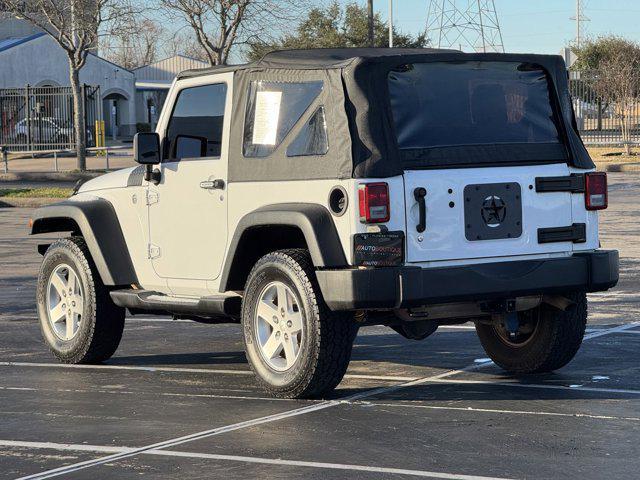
x: 317, y: 191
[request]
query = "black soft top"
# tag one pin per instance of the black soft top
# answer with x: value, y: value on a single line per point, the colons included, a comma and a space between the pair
x: 356, y: 97
x: 316, y: 58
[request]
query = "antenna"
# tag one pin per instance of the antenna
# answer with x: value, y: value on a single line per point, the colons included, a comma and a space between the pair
x: 580, y: 18
x: 465, y: 24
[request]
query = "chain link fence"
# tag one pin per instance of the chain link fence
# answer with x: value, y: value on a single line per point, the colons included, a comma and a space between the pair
x: 41, y: 118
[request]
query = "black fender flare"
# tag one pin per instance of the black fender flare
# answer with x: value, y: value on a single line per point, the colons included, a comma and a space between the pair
x: 98, y: 223
x: 314, y: 221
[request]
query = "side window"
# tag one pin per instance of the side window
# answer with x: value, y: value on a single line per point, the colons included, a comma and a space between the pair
x: 312, y: 139
x: 273, y: 108
x: 195, y: 126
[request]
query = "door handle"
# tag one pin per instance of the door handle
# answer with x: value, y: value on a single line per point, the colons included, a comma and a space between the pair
x: 419, y: 194
x: 217, y: 184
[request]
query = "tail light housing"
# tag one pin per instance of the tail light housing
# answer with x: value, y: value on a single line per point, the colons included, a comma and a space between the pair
x: 373, y: 199
x: 595, y: 191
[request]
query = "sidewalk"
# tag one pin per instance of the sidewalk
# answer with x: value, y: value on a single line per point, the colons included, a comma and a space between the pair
x: 66, y: 164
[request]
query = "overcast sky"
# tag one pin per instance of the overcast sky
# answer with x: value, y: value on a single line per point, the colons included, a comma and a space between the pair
x: 540, y: 26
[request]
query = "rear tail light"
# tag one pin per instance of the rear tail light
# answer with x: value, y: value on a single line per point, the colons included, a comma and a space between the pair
x: 595, y: 191
x: 373, y: 199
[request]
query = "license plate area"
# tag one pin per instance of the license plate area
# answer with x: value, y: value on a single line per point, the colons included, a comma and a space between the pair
x: 492, y: 211
x: 379, y: 249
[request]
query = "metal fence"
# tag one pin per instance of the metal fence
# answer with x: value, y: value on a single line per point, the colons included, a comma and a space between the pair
x: 50, y: 159
x: 599, y: 120
x: 41, y: 118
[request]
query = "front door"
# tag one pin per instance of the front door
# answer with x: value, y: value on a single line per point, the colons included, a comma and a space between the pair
x: 188, y: 208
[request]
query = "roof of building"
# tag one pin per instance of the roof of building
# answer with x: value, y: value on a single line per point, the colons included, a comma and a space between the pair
x: 317, y: 58
x: 8, y: 43
x: 165, y: 70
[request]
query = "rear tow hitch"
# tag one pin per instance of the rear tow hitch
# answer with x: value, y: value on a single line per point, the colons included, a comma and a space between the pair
x: 505, y: 312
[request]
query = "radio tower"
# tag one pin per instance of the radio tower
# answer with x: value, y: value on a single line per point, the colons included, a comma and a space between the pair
x: 580, y: 18
x: 464, y: 24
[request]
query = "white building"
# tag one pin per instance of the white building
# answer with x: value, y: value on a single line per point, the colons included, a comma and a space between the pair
x: 153, y: 82
x: 37, y: 60
x: 28, y: 56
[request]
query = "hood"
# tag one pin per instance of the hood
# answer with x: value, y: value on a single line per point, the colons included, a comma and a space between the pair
x: 117, y: 179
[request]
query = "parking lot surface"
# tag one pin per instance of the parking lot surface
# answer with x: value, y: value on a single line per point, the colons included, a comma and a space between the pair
x: 177, y: 400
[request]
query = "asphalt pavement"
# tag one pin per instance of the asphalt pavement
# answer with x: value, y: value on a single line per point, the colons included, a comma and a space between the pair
x: 178, y: 401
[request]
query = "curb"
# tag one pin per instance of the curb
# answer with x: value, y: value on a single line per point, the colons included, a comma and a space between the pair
x: 48, y: 177
x: 27, y: 202
x: 618, y: 167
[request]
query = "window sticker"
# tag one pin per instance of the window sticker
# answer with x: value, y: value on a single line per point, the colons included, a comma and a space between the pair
x: 265, y: 120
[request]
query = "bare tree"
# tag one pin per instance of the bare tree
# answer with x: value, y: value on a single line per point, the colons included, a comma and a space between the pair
x: 75, y: 25
x: 611, y: 66
x: 618, y: 82
x: 137, y: 42
x: 185, y: 43
x: 219, y: 25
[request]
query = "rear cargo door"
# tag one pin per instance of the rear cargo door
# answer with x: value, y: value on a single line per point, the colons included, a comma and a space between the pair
x: 475, y: 135
x: 476, y: 213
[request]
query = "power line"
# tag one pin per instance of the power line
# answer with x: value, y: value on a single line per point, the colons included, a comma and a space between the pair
x: 464, y: 24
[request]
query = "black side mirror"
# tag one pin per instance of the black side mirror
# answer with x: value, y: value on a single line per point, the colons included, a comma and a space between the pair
x: 146, y: 151
x: 146, y: 148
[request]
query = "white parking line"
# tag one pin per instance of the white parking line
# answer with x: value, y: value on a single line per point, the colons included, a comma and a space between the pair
x: 245, y: 459
x: 238, y: 426
x: 494, y: 410
x: 384, y: 378
x: 619, y: 328
x: 613, y: 294
x: 126, y: 367
x: 280, y: 416
x: 539, y: 386
x: 162, y: 394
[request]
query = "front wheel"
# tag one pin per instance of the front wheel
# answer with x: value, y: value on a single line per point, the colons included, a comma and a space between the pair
x: 79, y: 322
x: 295, y: 345
x: 547, y: 338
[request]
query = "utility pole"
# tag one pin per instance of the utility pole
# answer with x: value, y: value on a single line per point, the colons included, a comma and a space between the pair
x: 390, y: 23
x: 371, y: 39
x: 579, y: 18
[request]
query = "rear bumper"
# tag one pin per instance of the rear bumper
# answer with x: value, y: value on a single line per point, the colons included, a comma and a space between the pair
x: 407, y: 286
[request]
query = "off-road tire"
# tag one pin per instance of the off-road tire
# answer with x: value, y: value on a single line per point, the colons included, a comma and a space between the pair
x: 326, y: 346
x: 553, y: 344
x: 102, y: 321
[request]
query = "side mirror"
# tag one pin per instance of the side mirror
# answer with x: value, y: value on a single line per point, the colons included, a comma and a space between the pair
x: 146, y: 148
x: 146, y: 151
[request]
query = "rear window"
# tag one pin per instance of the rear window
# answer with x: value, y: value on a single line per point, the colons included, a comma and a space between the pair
x: 473, y: 112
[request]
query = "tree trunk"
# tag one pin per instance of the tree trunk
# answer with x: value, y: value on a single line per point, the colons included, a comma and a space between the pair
x: 78, y: 118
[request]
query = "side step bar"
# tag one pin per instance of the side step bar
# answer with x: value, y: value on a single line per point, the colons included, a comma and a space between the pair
x: 205, y: 307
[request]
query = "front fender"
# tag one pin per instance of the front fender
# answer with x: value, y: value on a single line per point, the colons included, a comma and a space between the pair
x: 98, y: 223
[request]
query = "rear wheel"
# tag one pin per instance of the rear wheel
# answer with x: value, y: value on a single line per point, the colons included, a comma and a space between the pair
x: 295, y: 345
x: 79, y: 322
x: 547, y: 338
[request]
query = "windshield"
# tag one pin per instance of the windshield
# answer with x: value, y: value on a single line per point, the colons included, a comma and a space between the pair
x: 473, y: 112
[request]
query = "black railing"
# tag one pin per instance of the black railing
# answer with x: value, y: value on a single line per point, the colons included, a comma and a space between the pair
x: 41, y: 118
x: 602, y: 121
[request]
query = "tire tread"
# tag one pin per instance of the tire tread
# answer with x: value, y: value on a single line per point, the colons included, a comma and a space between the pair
x: 105, y: 332
x: 563, y: 334
x: 337, y: 331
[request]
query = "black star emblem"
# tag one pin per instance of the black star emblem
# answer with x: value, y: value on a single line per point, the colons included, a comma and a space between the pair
x: 493, y: 210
